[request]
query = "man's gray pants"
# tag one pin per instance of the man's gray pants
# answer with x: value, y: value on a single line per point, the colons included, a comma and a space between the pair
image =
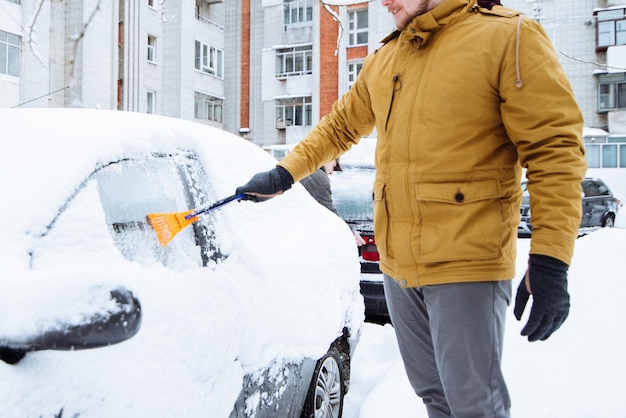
x: 450, y: 337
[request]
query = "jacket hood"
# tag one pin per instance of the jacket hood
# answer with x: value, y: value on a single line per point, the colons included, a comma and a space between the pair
x: 424, y: 25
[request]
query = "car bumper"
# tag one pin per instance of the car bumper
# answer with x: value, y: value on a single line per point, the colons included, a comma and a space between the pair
x: 374, y: 297
x: 524, y: 229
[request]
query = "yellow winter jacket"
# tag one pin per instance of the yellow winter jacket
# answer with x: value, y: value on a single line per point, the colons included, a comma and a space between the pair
x: 461, y: 100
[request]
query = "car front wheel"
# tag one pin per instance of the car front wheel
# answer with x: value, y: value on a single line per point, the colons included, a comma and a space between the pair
x: 325, y: 397
x: 609, y: 222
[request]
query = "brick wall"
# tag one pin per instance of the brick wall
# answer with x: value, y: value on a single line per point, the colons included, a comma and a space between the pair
x: 329, y: 88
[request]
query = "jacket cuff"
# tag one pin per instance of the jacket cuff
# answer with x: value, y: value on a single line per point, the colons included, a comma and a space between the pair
x: 286, y: 180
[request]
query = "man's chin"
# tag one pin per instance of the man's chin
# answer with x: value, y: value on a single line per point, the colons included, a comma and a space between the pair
x: 401, y: 22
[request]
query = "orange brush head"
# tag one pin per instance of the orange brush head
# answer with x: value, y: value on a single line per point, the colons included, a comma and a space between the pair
x: 167, y: 225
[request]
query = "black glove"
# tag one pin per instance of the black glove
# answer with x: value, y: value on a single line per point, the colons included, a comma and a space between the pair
x: 548, y: 283
x: 263, y: 186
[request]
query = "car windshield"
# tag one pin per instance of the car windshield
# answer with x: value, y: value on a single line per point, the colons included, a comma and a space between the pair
x: 594, y: 188
x: 352, y: 191
x: 131, y: 188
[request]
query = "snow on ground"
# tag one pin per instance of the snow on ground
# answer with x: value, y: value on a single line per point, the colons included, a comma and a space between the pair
x: 577, y: 373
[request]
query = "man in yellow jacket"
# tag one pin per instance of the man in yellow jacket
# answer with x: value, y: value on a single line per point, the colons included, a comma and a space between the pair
x: 463, y: 95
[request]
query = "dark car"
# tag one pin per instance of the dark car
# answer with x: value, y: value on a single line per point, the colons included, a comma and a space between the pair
x: 352, y: 195
x: 599, y: 208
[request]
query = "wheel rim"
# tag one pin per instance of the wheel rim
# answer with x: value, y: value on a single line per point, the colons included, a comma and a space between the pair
x: 608, y: 223
x: 328, y: 390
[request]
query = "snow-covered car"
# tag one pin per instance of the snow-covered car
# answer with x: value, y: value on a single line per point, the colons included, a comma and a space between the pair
x: 235, y: 317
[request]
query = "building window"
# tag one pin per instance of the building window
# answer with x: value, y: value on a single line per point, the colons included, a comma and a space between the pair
x: 297, y: 12
x: 357, y: 27
x: 151, y: 48
x: 606, y: 151
x: 611, y: 91
x: 209, y: 59
x: 151, y: 102
x: 9, y: 54
x: 354, y: 68
x: 611, y: 28
x: 293, y: 111
x: 294, y: 61
x: 151, y: 3
x: 208, y: 107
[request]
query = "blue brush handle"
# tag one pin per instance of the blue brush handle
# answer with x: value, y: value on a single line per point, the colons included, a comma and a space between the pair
x: 215, y: 205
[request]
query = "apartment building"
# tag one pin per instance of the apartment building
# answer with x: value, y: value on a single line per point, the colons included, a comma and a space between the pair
x: 296, y: 68
x: 590, y: 39
x: 154, y: 56
x: 268, y: 70
x: 294, y: 58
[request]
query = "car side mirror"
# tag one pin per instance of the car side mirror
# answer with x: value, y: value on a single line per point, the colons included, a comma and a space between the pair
x: 120, y: 323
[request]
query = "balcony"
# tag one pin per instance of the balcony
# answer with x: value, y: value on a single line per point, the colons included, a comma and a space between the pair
x: 209, y: 22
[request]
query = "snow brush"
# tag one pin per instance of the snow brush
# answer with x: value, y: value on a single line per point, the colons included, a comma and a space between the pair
x: 167, y: 225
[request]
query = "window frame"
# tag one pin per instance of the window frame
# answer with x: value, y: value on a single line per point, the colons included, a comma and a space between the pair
x: 299, y: 58
x: 297, y: 13
x: 605, y: 151
x: 293, y: 111
x: 10, y: 45
x: 208, y: 107
x: 152, y: 49
x: 209, y: 59
x: 610, y: 28
x: 611, y: 91
x: 356, y: 32
x: 354, y: 68
x: 151, y: 102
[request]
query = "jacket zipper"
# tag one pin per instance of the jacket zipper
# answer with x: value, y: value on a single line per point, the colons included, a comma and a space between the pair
x: 396, y: 85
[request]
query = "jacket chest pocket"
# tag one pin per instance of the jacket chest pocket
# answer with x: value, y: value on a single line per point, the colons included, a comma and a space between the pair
x: 459, y: 221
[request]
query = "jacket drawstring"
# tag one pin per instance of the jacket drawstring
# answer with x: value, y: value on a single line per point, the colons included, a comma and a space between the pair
x: 518, y: 75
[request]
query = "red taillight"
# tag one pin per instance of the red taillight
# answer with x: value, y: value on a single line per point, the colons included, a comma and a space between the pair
x: 369, y: 252
x: 371, y: 255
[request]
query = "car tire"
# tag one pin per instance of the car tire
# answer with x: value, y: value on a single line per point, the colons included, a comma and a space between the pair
x: 609, y: 221
x: 327, y: 390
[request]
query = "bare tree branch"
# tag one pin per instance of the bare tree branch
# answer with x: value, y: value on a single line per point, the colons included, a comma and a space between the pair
x: 164, y: 18
x: 327, y: 3
x: 338, y: 20
x: 597, y: 64
x: 75, y: 39
x: 30, y: 31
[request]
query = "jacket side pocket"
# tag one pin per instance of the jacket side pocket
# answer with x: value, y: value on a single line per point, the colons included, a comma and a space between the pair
x: 460, y: 221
